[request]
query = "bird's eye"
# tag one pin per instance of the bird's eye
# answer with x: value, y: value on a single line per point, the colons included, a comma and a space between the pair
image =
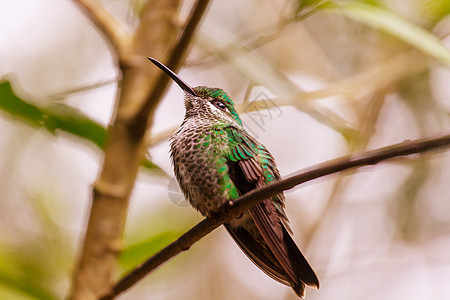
x: 219, y: 104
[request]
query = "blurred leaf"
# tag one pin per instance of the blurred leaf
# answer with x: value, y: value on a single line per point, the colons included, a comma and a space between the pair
x: 434, y: 10
x: 55, y: 117
x: 306, y: 3
x: 392, y: 24
x: 406, y: 215
x: 36, y: 265
x: 308, y: 7
x: 23, y: 276
x: 373, y: 2
x: 138, y: 7
x: 9, y: 293
x: 416, y: 93
x: 416, y: 90
x: 139, y: 252
x: 17, y: 107
x: 32, y: 289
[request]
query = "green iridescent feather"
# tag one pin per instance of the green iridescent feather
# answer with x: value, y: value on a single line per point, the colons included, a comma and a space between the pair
x: 244, y: 147
x: 241, y: 146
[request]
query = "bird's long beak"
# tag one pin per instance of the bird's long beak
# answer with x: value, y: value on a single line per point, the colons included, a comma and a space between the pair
x: 186, y: 87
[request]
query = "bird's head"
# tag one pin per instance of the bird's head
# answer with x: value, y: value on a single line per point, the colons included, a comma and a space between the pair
x: 204, y: 102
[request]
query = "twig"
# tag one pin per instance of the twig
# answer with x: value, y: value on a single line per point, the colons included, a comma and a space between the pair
x: 367, y: 123
x: 80, y: 89
x: 233, y: 209
x: 177, y: 56
x: 108, y: 25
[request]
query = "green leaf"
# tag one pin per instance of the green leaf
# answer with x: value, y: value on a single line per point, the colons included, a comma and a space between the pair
x: 55, y: 117
x: 20, y: 274
x: 307, y: 8
x: 434, y: 10
x: 15, y: 106
x: 307, y: 3
x: 25, y: 287
x: 139, y: 252
x: 392, y: 24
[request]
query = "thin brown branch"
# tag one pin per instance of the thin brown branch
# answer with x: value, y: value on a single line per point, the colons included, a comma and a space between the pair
x: 177, y: 57
x: 178, y: 53
x: 233, y: 209
x: 126, y: 145
x: 113, y: 30
x: 367, y: 122
x: 79, y: 89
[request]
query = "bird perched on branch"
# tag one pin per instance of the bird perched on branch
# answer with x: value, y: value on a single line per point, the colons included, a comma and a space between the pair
x: 215, y: 161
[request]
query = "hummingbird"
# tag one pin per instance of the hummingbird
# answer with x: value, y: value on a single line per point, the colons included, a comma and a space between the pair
x: 215, y: 161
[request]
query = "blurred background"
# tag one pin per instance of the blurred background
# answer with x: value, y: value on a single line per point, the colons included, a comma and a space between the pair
x: 313, y: 80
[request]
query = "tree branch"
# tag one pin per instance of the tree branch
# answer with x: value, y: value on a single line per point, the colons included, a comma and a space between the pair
x: 177, y: 56
x: 124, y: 150
x: 125, y: 144
x: 114, y: 31
x: 233, y: 209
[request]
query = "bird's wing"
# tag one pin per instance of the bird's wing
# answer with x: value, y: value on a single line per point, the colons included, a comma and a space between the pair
x: 255, y: 164
x: 251, y: 166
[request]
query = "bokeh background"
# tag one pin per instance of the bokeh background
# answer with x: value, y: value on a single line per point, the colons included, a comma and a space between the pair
x: 327, y: 82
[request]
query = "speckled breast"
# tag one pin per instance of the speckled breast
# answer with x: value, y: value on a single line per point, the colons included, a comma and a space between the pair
x: 198, y: 152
